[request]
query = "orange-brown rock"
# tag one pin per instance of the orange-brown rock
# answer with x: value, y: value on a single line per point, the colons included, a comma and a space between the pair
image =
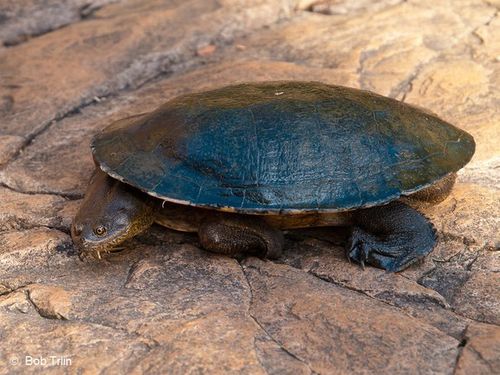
x: 335, y: 330
x: 51, y: 302
x: 481, y: 351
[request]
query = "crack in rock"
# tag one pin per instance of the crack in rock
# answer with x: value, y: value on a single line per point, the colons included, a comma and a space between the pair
x: 150, y: 342
x: 59, y: 117
x: 53, y: 315
x: 43, y: 312
x: 165, y: 67
x: 461, y: 346
x: 481, y: 357
x: 438, y: 303
x: 263, y: 329
x: 18, y: 224
x: 45, y: 19
x: 464, y: 346
x: 5, y: 290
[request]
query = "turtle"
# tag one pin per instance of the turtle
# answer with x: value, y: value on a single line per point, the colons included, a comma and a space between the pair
x: 242, y: 163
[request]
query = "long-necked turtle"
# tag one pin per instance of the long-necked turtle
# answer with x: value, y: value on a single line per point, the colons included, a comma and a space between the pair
x: 242, y: 162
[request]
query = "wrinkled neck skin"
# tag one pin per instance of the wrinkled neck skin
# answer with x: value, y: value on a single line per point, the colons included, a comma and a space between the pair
x: 111, y: 212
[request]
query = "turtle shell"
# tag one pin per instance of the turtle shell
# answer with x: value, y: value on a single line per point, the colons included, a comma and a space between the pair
x: 277, y: 147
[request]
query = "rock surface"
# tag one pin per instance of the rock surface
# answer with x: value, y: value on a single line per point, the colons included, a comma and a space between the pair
x: 162, y: 305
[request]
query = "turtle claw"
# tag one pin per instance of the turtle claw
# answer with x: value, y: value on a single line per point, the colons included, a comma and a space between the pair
x: 357, y: 249
x: 368, y: 249
x: 364, y: 248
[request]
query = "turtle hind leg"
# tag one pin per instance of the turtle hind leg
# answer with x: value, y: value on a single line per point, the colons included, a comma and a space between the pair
x: 437, y: 192
x: 391, y: 237
x: 233, y: 235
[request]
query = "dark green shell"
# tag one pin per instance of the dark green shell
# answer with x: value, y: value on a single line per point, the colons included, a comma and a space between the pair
x: 281, y: 147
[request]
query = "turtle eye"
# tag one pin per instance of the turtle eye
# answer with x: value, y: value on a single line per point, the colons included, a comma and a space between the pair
x: 100, y: 230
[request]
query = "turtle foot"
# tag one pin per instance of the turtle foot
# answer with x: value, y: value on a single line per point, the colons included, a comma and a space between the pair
x: 364, y: 248
x: 390, y: 237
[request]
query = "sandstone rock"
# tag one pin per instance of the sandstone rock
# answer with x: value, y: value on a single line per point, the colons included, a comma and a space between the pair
x: 206, y: 50
x: 275, y: 360
x: 50, y: 302
x: 470, y: 214
x: 341, y: 7
x: 483, y: 172
x: 24, y: 211
x: 60, y: 347
x: 23, y: 19
x: 40, y: 247
x: 330, y: 264
x: 489, y: 46
x: 334, y: 330
x: 16, y: 302
x: 213, y: 343
x: 58, y: 161
x: 383, y: 60
x: 481, y: 353
x: 487, y: 261
x: 470, y: 288
x: 478, y: 299
x: 9, y: 146
x: 181, y: 308
x: 460, y: 80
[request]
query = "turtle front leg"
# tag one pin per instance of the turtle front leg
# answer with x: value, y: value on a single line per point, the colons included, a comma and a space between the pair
x: 232, y: 235
x: 391, y: 237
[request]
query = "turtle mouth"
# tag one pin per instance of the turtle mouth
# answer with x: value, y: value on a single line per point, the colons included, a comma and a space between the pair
x: 98, y: 253
x: 96, y: 250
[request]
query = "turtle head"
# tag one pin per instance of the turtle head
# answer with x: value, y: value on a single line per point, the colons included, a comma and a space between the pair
x: 111, y: 212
